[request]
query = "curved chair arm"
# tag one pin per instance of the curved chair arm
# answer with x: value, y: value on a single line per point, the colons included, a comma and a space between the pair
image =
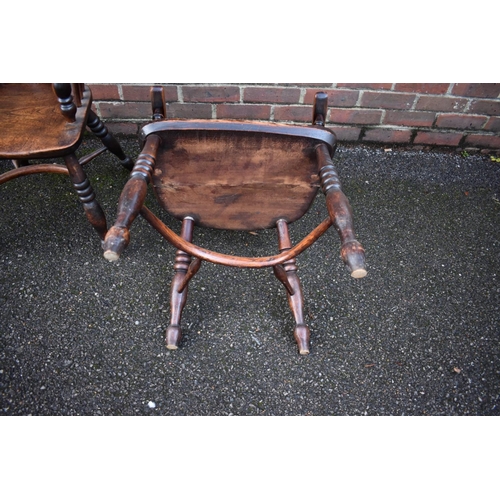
x: 131, y: 200
x: 233, y: 260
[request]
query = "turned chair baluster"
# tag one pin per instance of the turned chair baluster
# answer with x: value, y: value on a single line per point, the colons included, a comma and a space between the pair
x: 183, y: 272
x: 295, y: 295
x: 158, y: 103
x: 68, y: 107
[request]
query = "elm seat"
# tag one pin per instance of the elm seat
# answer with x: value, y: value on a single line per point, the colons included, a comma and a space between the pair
x: 235, y: 175
x: 44, y: 120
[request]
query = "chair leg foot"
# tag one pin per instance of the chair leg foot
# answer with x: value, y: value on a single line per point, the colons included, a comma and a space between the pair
x: 173, y: 337
x: 302, y: 335
x: 85, y: 192
x: 288, y: 276
x: 179, y: 287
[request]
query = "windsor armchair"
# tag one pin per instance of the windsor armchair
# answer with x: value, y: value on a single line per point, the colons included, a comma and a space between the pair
x: 236, y: 175
x: 43, y: 120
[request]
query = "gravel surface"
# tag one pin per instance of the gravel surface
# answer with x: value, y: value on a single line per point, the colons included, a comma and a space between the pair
x: 418, y: 336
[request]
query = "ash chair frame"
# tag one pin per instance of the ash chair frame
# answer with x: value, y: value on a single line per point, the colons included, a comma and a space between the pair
x: 236, y: 175
x: 42, y: 120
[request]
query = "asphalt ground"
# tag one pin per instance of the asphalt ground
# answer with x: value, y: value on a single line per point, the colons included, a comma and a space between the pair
x: 418, y: 336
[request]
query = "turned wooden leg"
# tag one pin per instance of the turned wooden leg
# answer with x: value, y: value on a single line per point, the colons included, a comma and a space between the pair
x: 184, y: 270
x: 100, y: 130
x: 86, y: 194
x: 131, y: 200
x: 340, y: 212
x: 287, y: 274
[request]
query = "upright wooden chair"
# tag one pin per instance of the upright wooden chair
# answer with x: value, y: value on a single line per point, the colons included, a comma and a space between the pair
x: 43, y: 120
x: 238, y: 175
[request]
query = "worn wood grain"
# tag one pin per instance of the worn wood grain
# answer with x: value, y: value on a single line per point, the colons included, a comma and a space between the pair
x: 235, y: 179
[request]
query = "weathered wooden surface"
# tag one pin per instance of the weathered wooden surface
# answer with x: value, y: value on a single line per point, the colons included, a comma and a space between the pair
x: 235, y: 179
x: 44, y: 120
x: 236, y: 176
x: 33, y: 125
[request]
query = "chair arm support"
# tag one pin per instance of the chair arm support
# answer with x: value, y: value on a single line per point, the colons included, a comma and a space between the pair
x: 340, y: 212
x: 131, y: 200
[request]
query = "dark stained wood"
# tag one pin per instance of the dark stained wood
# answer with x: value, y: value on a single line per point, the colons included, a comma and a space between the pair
x: 32, y: 124
x: 158, y: 106
x: 241, y: 176
x: 77, y: 90
x: 320, y: 109
x: 340, y: 211
x: 100, y: 130
x: 178, y: 288
x: 239, y: 180
x: 65, y: 97
x: 224, y: 259
x: 131, y: 200
x: 295, y: 296
x: 42, y: 120
x: 319, y: 133
x: 33, y: 169
x: 193, y: 268
x: 85, y: 192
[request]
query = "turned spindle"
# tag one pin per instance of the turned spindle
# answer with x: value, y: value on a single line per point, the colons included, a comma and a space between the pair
x: 293, y: 288
x: 184, y: 270
x: 100, y: 130
x: 68, y: 107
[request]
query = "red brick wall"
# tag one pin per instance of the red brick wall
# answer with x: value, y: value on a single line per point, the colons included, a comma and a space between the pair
x: 464, y: 115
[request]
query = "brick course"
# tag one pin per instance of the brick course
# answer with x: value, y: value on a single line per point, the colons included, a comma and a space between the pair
x: 477, y: 89
x: 463, y: 122
x: 211, y: 94
x: 387, y: 135
x: 355, y: 116
x: 387, y: 100
x: 409, y: 118
x: 271, y: 95
x: 243, y: 111
x: 433, y: 114
x: 438, y: 103
x: 336, y: 98
x: 422, y: 88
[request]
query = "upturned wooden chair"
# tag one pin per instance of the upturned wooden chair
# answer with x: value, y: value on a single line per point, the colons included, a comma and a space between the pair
x: 43, y: 120
x: 237, y: 175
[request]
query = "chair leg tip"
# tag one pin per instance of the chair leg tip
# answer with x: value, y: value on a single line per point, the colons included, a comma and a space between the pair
x: 359, y: 273
x: 173, y: 337
x: 302, y: 335
x: 111, y: 256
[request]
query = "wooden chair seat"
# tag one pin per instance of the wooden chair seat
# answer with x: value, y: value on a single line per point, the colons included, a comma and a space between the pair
x: 235, y: 175
x: 31, y: 114
x: 43, y: 120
